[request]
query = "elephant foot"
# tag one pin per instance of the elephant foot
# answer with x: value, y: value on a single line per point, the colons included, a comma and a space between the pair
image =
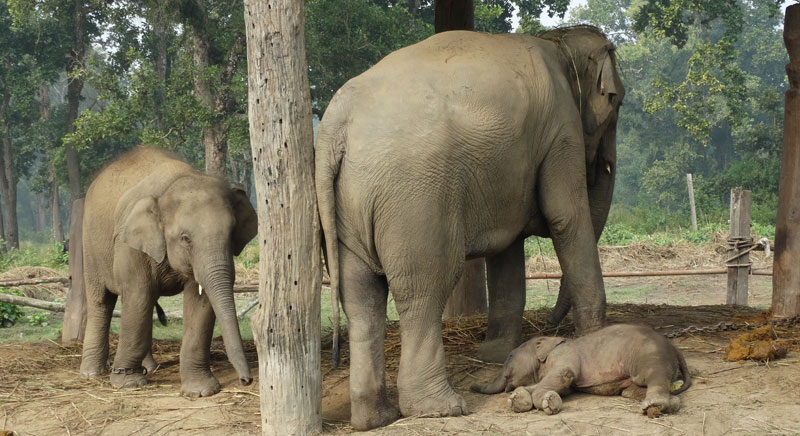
x: 655, y: 406
x: 127, y: 378
x: 149, y: 363
x: 550, y: 403
x: 448, y: 404
x: 196, y: 386
x: 89, y: 369
x: 374, y: 416
x: 496, y: 350
x: 521, y: 400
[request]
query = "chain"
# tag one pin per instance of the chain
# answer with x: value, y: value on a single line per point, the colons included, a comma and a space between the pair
x: 129, y: 371
x: 729, y: 326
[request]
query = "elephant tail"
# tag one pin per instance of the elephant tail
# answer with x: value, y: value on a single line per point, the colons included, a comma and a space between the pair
x: 162, y: 317
x: 329, y: 154
x: 687, y: 378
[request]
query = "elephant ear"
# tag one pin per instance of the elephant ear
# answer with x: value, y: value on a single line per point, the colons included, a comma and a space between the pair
x: 246, y: 221
x: 545, y: 345
x: 142, y: 230
x: 605, y: 92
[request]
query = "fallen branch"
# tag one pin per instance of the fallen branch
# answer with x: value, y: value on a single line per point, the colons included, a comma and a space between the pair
x: 24, y: 282
x: 39, y: 304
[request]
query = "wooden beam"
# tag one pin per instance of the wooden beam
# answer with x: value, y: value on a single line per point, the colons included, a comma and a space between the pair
x: 786, y: 280
x: 739, y: 263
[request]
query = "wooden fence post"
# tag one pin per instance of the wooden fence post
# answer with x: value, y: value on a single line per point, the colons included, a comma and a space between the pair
x: 691, y: 201
x: 786, y: 266
x: 75, y: 314
x: 739, y: 263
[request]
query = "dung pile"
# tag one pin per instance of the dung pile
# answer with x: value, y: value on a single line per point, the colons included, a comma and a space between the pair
x: 760, y: 344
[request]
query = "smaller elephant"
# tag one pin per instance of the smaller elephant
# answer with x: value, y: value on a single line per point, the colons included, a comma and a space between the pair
x: 629, y: 360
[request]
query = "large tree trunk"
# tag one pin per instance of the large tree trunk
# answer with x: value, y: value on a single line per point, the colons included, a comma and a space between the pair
x: 74, y: 326
x: 56, y: 227
x: 286, y: 325
x: 74, y: 89
x: 161, y: 30
x: 469, y: 295
x: 75, y: 314
x: 786, y: 278
x: 41, y: 211
x: 8, y: 176
x: 10, y: 191
x: 453, y: 15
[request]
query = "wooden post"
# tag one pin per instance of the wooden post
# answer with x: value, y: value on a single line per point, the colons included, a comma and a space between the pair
x: 75, y: 313
x: 286, y: 324
x: 691, y: 201
x: 786, y: 266
x: 469, y: 295
x: 739, y: 266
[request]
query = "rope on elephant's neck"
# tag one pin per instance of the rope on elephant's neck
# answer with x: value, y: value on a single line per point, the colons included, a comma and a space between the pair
x: 563, y: 43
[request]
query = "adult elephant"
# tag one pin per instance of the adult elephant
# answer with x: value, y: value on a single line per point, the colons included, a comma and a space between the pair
x: 454, y: 148
x: 153, y: 226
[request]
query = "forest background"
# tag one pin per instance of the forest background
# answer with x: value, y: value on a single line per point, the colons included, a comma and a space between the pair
x: 82, y: 81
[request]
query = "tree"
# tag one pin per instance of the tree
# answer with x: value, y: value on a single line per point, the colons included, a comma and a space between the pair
x: 286, y: 323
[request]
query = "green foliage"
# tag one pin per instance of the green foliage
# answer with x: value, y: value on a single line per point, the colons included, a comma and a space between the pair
x: 40, y: 319
x: 51, y: 256
x: 346, y: 37
x: 9, y: 313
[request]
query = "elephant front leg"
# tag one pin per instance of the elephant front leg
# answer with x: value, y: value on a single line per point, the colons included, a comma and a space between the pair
x: 565, y: 206
x: 506, y: 284
x: 100, y: 307
x: 198, y: 329
x: 135, y: 338
x: 364, y: 300
x: 545, y: 395
x: 422, y: 379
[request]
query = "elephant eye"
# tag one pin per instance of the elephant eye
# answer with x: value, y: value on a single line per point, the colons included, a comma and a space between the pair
x: 185, y: 239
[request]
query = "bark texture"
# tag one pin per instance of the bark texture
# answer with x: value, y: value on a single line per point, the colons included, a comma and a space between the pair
x: 8, y: 176
x: 786, y: 278
x: 286, y: 323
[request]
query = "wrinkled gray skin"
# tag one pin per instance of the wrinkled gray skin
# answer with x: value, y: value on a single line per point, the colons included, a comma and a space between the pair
x: 152, y: 227
x: 629, y: 360
x: 459, y: 147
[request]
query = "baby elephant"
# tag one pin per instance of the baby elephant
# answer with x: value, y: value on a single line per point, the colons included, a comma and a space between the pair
x: 631, y: 360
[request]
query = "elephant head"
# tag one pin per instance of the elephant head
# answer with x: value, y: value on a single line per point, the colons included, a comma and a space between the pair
x: 195, y: 224
x: 588, y: 59
x: 522, y: 367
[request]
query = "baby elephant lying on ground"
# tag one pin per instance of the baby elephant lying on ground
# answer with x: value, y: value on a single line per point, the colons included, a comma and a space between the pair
x: 631, y: 360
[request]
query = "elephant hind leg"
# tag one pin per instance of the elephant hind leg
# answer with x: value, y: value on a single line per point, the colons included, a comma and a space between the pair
x: 99, y: 308
x: 364, y: 297
x: 420, y: 295
x: 506, y: 285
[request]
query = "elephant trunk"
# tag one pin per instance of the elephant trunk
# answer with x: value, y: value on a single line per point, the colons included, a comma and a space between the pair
x: 217, y: 281
x: 600, y: 193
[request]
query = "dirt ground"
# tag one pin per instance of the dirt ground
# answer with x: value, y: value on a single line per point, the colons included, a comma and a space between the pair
x: 42, y: 393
